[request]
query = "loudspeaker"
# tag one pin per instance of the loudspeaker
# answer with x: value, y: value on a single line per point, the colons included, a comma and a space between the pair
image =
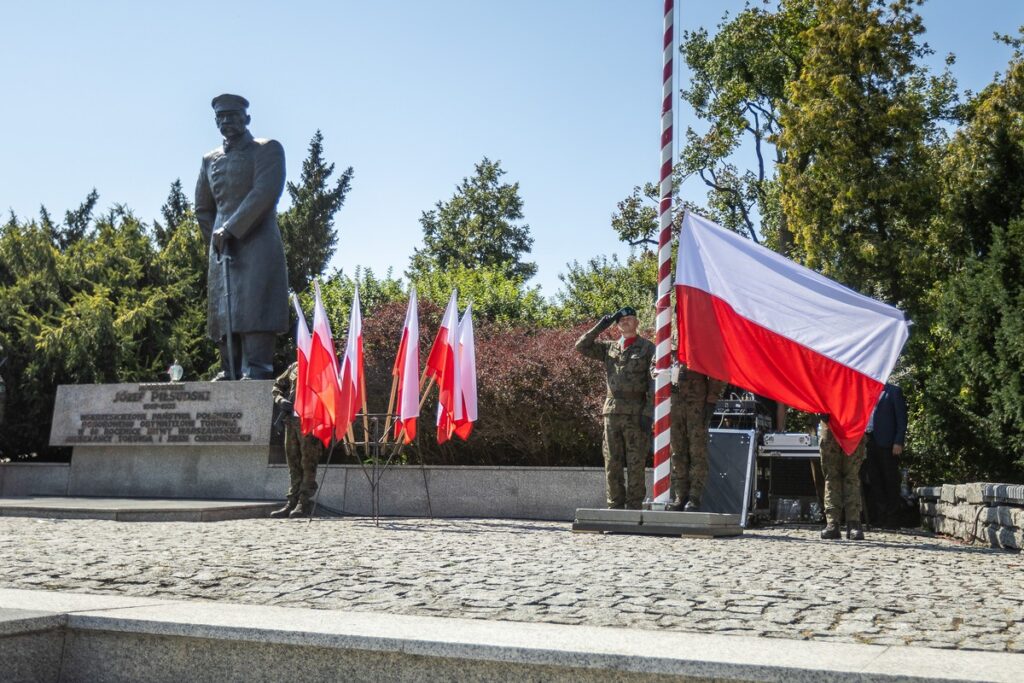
x: 731, y: 463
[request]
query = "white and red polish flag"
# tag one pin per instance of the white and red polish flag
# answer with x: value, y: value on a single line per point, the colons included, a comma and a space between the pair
x: 350, y: 378
x: 407, y: 372
x: 762, y: 322
x: 443, y: 368
x: 322, y: 373
x: 467, y: 374
x: 305, y: 400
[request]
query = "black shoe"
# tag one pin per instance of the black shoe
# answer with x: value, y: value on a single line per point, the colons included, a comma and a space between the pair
x: 830, y: 532
x: 692, y: 505
x: 676, y: 505
x: 303, y: 509
x: 854, y: 532
x: 285, y: 511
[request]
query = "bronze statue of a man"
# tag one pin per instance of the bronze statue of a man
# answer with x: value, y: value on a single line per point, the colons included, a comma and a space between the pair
x: 236, y: 206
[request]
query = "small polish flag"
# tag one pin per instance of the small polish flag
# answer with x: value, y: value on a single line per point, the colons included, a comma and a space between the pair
x: 467, y: 375
x: 443, y: 368
x: 305, y: 400
x: 407, y: 372
x: 322, y: 373
x: 350, y: 378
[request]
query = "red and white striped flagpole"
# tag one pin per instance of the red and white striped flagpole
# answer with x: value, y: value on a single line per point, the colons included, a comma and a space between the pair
x: 663, y: 335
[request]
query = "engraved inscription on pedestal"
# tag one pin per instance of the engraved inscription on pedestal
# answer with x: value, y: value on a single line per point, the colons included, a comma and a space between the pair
x: 198, y: 413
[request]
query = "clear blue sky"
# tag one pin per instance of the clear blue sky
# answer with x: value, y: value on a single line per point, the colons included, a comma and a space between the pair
x: 115, y: 95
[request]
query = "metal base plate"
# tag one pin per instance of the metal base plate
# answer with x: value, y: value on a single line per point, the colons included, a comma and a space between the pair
x: 657, y: 522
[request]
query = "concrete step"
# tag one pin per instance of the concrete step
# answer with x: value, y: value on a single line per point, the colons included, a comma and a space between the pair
x: 657, y: 522
x: 51, y: 636
x: 135, y: 509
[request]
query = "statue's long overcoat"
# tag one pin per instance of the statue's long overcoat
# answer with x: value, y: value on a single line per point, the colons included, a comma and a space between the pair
x: 238, y: 189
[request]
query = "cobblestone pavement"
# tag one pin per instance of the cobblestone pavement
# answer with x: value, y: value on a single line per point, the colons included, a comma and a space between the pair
x: 778, y: 582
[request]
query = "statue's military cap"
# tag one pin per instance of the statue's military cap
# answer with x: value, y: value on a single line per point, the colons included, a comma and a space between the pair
x: 228, y: 102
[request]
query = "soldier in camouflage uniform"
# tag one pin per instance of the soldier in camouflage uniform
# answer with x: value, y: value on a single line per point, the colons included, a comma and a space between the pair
x: 626, y: 442
x: 301, y: 451
x: 842, y: 485
x: 693, y: 401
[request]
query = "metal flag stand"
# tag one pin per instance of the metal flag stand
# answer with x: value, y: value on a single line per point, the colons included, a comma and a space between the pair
x: 378, y: 455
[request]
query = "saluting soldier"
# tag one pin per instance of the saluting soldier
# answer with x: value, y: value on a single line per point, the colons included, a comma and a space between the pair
x: 239, y: 185
x: 626, y: 443
x: 302, y: 451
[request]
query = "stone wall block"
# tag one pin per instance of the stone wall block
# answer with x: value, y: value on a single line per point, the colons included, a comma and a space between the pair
x: 975, y: 493
x: 1011, y: 538
x: 948, y: 494
x: 928, y: 492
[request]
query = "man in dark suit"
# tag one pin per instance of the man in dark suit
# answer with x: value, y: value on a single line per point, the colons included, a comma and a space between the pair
x: 236, y: 207
x: 885, y: 436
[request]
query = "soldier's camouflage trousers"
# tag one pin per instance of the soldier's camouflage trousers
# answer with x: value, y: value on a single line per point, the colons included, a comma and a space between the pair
x: 689, y: 449
x: 842, y: 480
x: 302, y: 454
x: 625, y: 445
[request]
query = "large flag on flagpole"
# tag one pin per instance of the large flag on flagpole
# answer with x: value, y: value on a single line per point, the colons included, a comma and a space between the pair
x: 443, y: 368
x: 751, y: 317
x: 407, y: 372
x: 322, y: 373
x: 467, y: 374
x: 350, y: 378
x: 305, y: 400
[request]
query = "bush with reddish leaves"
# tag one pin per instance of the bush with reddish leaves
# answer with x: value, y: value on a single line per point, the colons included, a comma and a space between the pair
x: 539, y: 400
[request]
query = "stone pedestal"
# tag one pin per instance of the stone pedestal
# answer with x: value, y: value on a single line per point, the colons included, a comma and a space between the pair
x: 185, y: 440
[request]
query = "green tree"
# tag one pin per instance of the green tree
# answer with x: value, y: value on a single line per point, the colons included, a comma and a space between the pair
x: 76, y: 222
x: 477, y: 227
x: 860, y: 132
x: 497, y: 295
x: 966, y: 381
x: 603, y: 285
x: 174, y: 211
x: 307, y: 228
x: 737, y: 85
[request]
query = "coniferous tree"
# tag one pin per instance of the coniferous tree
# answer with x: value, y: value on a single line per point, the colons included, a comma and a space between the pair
x: 174, y: 211
x: 307, y: 228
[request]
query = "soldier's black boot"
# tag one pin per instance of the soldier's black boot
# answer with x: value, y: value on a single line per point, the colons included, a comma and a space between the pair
x: 303, y: 509
x: 831, y: 531
x: 854, y: 532
x: 286, y: 510
x: 676, y: 505
x: 692, y: 505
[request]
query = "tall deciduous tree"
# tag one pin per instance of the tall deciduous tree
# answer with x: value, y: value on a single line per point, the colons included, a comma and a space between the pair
x: 307, y: 227
x: 737, y: 85
x: 860, y: 129
x: 478, y: 226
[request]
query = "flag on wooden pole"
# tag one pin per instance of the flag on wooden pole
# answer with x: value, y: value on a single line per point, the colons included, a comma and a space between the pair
x: 350, y: 378
x: 407, y: 373
x: 443, y: 368
x: 305, y: 400
x: 467, y: 375
x: 322, y: 373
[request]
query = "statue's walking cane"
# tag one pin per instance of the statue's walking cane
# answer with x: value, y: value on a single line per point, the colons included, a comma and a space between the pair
x: 224, y: 259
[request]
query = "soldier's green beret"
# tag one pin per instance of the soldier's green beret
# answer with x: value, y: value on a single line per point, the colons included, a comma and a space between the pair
x: 227, y: 102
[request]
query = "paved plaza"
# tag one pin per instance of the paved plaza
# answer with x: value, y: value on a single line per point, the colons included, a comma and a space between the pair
x: 893, y: 589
